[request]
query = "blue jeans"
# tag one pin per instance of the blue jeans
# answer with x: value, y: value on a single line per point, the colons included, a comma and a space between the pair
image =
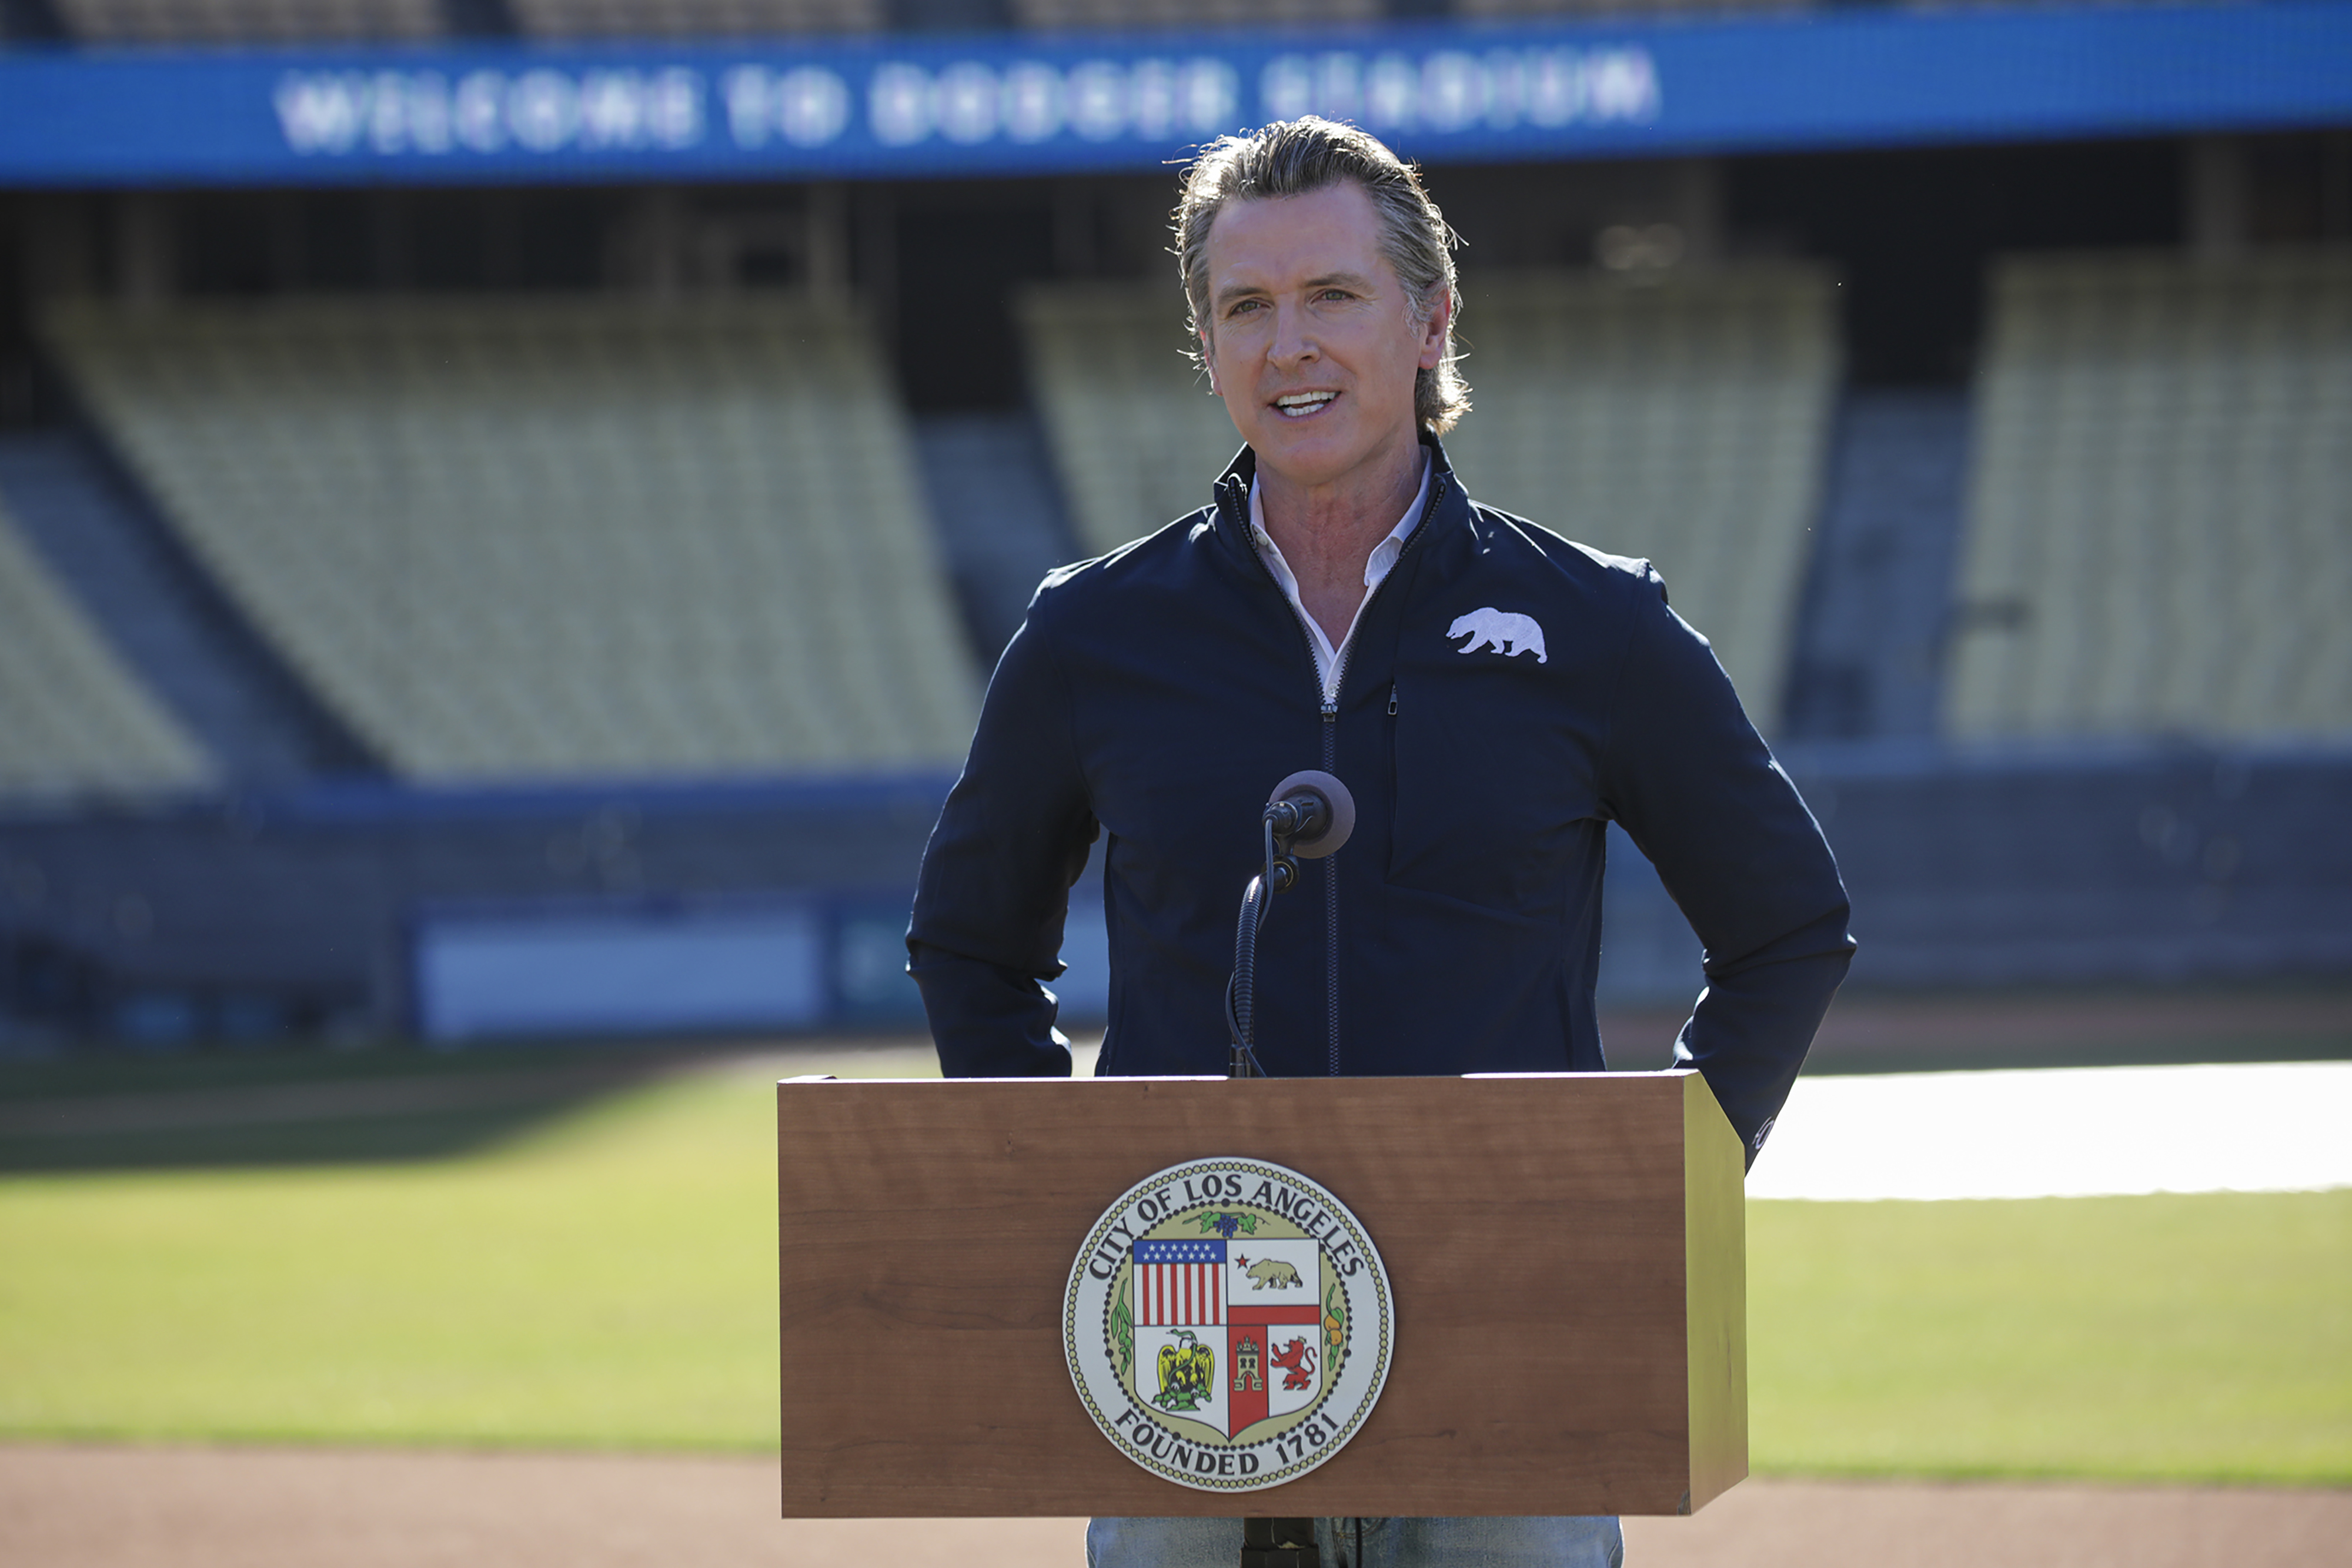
x: 1592, y: 1543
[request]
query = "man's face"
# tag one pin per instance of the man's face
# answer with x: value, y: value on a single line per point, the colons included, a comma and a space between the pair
x: 1311, y: 337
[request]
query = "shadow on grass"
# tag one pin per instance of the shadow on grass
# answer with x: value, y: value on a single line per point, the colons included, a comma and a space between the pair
x: 120, y: 1111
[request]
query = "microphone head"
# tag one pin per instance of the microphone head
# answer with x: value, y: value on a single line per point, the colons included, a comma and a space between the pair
x: 1339, y: 811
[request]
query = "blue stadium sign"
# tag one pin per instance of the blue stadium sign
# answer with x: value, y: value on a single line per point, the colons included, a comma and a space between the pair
x: 1013, y: 104
x: 936, y: 114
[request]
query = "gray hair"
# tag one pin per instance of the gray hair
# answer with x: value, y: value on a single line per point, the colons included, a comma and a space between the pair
x: 1294, y: 157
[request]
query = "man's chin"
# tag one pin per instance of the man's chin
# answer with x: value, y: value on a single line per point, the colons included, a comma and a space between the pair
x: 1310, y: 458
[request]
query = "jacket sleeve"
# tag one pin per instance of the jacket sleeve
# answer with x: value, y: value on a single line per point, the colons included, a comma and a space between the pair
x: 996, y: 877
x: 1697, y: 791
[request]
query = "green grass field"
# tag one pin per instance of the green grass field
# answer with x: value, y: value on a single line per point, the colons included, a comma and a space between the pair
x: 605, y: 1279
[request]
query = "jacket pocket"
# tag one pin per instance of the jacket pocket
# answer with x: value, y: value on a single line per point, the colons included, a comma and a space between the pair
x: 1494, y: 797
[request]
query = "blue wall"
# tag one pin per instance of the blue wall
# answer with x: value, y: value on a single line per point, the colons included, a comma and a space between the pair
x: 783, y: 906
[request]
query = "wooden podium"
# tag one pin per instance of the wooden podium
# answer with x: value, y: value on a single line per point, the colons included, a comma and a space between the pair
x: 1567, y: 1252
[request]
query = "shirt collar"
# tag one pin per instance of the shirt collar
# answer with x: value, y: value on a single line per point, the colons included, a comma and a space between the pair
x: 1384, y: 554
x: 1329, y: 662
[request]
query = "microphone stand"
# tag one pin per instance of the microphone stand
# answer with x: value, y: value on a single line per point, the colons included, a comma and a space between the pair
x: 1265, y: 1542
x: 1279, y: 1544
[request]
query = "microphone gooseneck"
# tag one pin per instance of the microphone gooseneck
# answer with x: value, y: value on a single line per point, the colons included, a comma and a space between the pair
x: 1309, y: 816
x: 1240, y: 991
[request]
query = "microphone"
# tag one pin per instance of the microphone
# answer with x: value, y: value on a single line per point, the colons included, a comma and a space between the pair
x: 1312, y: 813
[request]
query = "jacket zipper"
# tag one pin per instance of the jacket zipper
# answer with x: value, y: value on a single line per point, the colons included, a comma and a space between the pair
x: 1331, y: 878
x: 1330, y: 707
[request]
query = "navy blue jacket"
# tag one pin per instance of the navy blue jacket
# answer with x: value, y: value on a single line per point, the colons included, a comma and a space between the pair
x: 1158, y: 693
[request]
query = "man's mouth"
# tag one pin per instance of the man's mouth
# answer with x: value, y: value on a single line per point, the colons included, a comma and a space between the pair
x: 1299, y: 405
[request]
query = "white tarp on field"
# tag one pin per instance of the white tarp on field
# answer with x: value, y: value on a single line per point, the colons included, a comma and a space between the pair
x: 2062, y: 1133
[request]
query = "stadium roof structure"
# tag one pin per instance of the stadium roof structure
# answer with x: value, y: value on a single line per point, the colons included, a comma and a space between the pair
x: 905, y: 106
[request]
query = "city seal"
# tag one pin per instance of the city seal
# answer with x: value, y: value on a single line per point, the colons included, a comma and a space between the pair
x: 1228, y: 1325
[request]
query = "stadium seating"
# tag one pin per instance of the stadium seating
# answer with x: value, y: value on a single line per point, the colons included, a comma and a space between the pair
x: 1051, y: 13
x: 1684, y: 421
x: 553, y: 538
x: 77, y: 719
x: 2159, y: 539
x: 694, y: 18
x: 1136, y: 437
x: 247, y: 21
x: 1516, y: 8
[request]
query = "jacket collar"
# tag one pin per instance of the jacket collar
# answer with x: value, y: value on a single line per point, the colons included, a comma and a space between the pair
x: 1232, y: 490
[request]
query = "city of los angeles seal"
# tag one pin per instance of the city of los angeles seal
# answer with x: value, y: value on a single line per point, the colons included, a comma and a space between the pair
x: 1228, y: 1325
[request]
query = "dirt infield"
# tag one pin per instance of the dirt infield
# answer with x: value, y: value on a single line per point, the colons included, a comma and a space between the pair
x: 146, y: 1508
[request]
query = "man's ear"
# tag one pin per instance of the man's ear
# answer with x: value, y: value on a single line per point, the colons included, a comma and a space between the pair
x: 1433, y: 334
x: 1208, y: 360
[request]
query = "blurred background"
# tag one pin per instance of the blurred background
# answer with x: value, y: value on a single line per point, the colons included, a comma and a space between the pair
x: 506, y: 506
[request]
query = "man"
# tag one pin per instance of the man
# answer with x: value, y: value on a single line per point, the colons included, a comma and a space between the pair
x: 1315, y: 616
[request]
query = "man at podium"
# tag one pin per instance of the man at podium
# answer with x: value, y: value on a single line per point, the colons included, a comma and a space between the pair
x: 1493, y: 696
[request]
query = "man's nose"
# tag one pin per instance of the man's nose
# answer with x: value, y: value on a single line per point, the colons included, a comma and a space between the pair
x: 1294, y: 335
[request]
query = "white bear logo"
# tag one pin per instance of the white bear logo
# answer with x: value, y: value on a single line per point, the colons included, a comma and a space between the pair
x: 1508, y: 634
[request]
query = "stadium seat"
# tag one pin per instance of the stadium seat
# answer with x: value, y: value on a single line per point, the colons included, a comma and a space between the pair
x: 1515, y: 8
x: 1137, y: 437
x: 77, y: 719
x: 1684, y: 421
x: 1075, y: 14
x: 247, y: 21
x: 2159, y: 537
x: 556, y: 538
x: 694, y: 18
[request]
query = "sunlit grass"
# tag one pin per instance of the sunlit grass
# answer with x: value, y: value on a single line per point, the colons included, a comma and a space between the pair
x: 610, y: 1281
x: 2189, y: 1337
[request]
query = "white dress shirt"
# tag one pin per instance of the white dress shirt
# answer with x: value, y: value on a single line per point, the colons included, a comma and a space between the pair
x: 1330, y: 661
